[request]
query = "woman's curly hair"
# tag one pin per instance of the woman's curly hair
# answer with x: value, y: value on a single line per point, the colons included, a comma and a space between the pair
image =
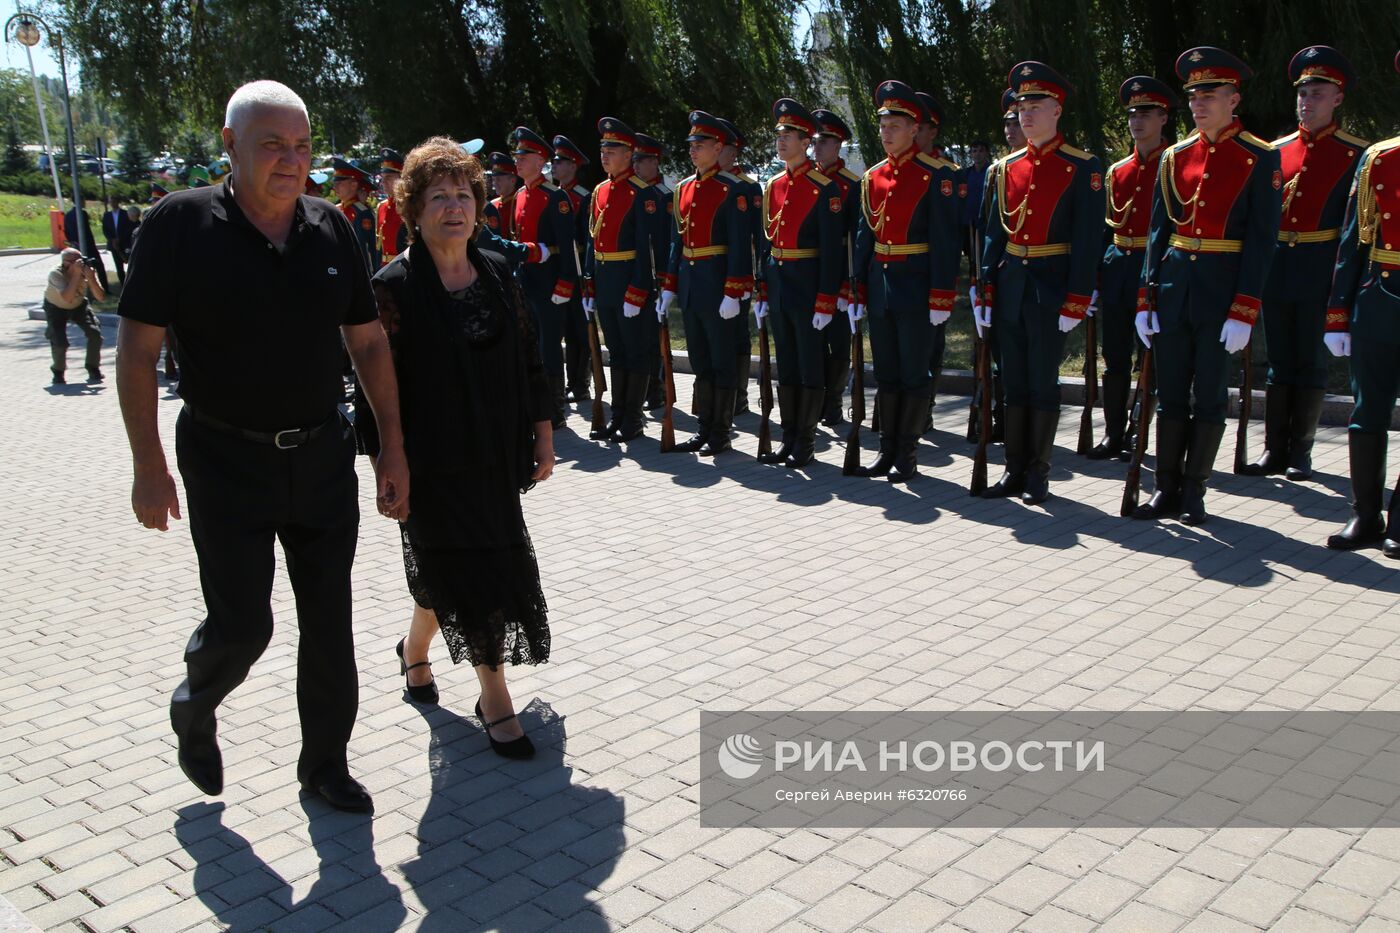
x: 431, y: 161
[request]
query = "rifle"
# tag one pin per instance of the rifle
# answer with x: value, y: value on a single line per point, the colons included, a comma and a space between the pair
x: 765, y: 391
x: 983, y: 368
x: 1091, y: 387
x: 668, y: 427
x: 595, y: 352
x: 852, y: 462
x: 1246, y: 406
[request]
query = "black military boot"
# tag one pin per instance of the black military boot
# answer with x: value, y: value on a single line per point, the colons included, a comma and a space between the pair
x: 1043, y: 425
x: 1115, y: 417
x: 1277, y: 412
x: 809, y: 411
x: 887, y: 404
x: 1200, y: 458
x: 1013, y: 480
x: 633, y: 423
x: 718, y: 441
x: 616, y: 385
x: 556, y: 391
x: 576, y: 366
x: 1302, y: 430
x: 838, y: 370
x: 1166, y: 490
x: 1367, y: 486
x: 787, y: 420
x: 913, y: 410
x: 1391, y: 545
x: 703, y: 400
x: 741, y: 396
x: 656, y: 391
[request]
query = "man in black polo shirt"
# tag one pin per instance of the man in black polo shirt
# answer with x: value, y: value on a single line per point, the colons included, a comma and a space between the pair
x: 260, y: 285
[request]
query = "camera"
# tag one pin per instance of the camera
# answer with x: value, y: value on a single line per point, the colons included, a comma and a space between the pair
x: 90, y: 262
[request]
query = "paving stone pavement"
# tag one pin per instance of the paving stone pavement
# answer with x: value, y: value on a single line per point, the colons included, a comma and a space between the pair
x: 673, y: 584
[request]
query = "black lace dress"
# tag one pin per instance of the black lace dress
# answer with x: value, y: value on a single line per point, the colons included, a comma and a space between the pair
x: 471, y: 386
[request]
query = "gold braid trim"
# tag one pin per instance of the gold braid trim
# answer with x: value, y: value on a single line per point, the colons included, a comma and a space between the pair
x: 1367, y: 218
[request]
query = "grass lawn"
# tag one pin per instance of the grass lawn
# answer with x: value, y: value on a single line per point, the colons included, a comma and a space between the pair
x: 24, y: 220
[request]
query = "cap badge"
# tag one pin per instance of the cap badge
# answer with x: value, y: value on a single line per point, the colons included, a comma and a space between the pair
x: 1196, y: 56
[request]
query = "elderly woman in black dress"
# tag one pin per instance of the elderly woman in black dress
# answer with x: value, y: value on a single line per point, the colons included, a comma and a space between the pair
x: 476, y: 416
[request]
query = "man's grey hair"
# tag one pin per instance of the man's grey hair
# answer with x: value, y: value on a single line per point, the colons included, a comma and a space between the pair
x: 257, y: 94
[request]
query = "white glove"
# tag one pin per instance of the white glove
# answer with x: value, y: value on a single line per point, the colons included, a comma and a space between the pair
x: 982, y: 318
x: 746, y: 296
x: 729, y: 308
x: 972, y: 295
x: 1339, y: 342
x: 760, y: 310
x: 1235, y: 334
x: 630, y: 310
x: 559, y: 299
x: 1093, y: 303
x: 819, y: 320
x: 660, y: 314
x: 841, y: 303
x: 587, y: 308
x: 854, y: 314
x: 938, y: 317
x: 1068, y: 323
x: 664, y: 301
x: 1147, y: 325
x: 544, y: 252
x: 859, y: 310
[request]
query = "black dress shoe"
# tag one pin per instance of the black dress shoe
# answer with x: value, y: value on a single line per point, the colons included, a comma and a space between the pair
x: 203, y: 764
x: 420, y: 693
x: 515, y: 748
x: 342, y: 792
x: 58, y: 379
x: 95, y: 375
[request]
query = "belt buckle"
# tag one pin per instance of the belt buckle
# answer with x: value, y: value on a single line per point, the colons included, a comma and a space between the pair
x: 277, y: 439
x: 1195, y: 246
x: 1292, y: 237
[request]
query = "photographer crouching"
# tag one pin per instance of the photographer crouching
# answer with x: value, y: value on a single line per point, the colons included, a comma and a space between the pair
x: 66, y: 302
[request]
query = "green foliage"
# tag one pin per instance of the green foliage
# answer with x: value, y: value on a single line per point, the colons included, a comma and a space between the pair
x: 16, y: 159
x: 132, y: 159
x: 34, y: 183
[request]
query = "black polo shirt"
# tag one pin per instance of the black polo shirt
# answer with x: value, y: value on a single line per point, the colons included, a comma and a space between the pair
x: 258, y: 330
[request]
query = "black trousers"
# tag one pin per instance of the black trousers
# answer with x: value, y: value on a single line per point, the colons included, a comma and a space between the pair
x: 241, y: 496
x: 115, y: 249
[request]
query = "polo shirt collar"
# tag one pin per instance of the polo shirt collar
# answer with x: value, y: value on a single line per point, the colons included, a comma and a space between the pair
x: 224, y: 206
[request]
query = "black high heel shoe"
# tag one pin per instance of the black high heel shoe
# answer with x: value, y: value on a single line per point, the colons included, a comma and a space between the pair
x: 515, y: 748
x: 422, y: 693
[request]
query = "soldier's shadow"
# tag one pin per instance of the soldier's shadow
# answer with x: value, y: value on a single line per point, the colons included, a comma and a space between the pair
x: 244, y: 893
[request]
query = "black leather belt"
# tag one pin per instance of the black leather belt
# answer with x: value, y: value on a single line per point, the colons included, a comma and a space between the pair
x: 282, y: 440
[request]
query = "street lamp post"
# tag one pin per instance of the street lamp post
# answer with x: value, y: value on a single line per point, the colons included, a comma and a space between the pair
x: 25, y: 28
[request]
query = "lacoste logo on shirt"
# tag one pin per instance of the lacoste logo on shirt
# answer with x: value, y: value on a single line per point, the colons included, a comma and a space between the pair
x: 331, y: 271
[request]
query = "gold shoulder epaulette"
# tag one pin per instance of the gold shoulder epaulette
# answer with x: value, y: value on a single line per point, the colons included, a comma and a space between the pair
x: 685, y: 179
x: 1384, y: 145
x: 848, y: 174
x: 1190, y: 138
x: 1074, y: 152
x: 746, y: 177
x: 598, y: 187
x: 580, y: 190
x: 818, y: 177
x: 1253, y: 140
x: 1285, y: 140
x: 1351, y: 140
x: 637, y: 182
x: 874, y: 167
x: 1123, y: 161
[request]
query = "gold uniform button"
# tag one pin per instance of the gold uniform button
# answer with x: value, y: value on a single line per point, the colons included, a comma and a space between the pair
x: 1303, y: 169
x: 1198, y: 229
x: 1025, y: 262
x: 1193, y: 258
x: 1212, y: 149
x: 1200, y: 203
x: 1386, y: 215
x: 1248, y: 161
x: 1205, y: 174
x: 1310, y: 145
x: 1385, y: 275
x: 1029, y: 212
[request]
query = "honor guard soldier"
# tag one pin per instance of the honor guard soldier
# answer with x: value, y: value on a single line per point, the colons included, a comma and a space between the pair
x: 709, y: 271
x: 832, y: 133
x: 646, y: 162
x: 1128, y: 203
x: 393, y: 235
x: 621, y: 224
x: 906, y: 268
x: 729, y: 162
x: 927, y: 141
x: 802, y: 265
x: 158, y: 191
x: 351, y: 184
x: 1363, y: 322
x: 500, y: 210
x: 1042, y: 248
x: 568, y: 159
x: 1011, y: 122
x: 543, y: 215
x: 1300, y: 278
x: 1215, y: 222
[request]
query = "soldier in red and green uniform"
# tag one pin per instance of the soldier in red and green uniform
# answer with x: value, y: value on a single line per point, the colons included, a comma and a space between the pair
x: 646, y: 162
x: 832, y: 133
x: 1318, y: 162
x: 393, y: 235
x: 351, y: 184
x: 1215, y: 223
x: 1363, y: 322
x: 568, y: 159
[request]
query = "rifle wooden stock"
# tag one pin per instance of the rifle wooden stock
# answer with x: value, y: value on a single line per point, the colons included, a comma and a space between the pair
x: 668, y: 426
x: 1133, y: 483
x: 1091, y: 387
x: 600, y: 385
x: 765, y: 391
x: 1246, y: 406
x: 983, y: 373
x: 973, y: 402
x: 852, y: 462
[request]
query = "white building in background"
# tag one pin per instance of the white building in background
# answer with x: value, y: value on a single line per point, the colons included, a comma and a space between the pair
x: 832, y: 91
